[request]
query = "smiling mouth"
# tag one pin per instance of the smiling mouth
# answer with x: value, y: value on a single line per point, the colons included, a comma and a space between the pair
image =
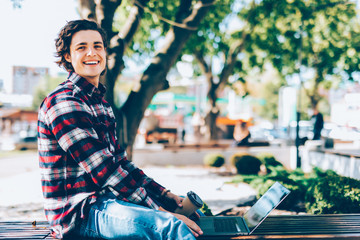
x: 91, y: 62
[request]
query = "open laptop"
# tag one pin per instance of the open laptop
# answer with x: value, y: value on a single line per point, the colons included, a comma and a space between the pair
x: 245, y: 225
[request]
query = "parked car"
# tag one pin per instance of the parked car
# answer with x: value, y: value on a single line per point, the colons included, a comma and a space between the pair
x: 25, y: 143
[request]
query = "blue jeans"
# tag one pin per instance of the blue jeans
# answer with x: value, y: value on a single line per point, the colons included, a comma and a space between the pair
x: 110, y: 218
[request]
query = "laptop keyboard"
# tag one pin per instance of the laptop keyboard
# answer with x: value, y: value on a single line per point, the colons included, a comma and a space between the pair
x: 225, y: 225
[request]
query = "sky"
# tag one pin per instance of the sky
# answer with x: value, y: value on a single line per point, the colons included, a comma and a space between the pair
x: 28, y: 34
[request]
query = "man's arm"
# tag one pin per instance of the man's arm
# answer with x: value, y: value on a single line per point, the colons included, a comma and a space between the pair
x: 72, y: 124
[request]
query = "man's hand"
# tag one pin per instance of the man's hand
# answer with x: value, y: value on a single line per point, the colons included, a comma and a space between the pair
x: 195, y: 229
x: 176, y: 198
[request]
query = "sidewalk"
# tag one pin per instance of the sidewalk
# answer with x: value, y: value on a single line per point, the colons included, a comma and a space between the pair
x: 21, y: 197
x: 208, y: 185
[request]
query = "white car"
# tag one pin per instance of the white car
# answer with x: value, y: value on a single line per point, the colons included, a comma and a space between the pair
x: 26, y: 143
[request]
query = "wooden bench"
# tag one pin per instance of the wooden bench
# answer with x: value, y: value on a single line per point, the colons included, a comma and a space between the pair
x: 24, y: 230
x: 295, y: 227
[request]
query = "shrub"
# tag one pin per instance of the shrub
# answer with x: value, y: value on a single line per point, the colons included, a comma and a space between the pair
x: 291, y: 180
x: 333, y: 194
x: 269, y: 160
x: 214, y: 160
x: 323, y: 192
x: 296, y: 181
x: 245, y: 163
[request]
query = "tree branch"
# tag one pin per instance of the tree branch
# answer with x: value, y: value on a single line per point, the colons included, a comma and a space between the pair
x: 121, y: 41
x: 205, y: 67
x: 234, y: 50
x: 184, y: 10
x: 105, y: 11
x: 87, y: 9
x: 194, y: 18
x: 230, y: 61
x: 154, y: 77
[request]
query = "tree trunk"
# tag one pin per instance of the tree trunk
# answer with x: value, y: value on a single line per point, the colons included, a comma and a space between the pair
x: 154, y: 77
x: 211, y: 115
x: 228, y: 69
x: 215, y: 88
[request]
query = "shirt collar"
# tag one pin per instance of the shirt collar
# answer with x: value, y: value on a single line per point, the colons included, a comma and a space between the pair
x: 87, y: 87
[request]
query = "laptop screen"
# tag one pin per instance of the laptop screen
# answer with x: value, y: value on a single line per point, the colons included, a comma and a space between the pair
x: 270, y: 200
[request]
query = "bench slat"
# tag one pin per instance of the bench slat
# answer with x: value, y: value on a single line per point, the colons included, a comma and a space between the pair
x: 310, y: 224
x: 23, y: 230
x: 294, y: 227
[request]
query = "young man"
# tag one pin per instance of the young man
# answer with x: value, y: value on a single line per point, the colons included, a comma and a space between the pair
x: 90, y: 188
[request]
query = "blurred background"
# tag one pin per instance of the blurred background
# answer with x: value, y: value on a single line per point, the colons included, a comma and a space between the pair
x: 268, y: 64
x: 197, y: 87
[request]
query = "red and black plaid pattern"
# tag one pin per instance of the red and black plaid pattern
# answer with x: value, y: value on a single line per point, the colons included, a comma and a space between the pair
x: 80, y: 157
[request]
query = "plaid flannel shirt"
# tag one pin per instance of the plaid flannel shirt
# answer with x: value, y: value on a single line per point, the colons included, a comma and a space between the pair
x: 80, y: 157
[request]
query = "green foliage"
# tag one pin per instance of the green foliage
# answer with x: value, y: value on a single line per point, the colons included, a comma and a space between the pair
x: 206, y: 210
x: 214, y: 160
x: 293, y: 180
x: 269, y: 91
x: 323, y: 192
x: 245, y: 163
x: 212, y: 38
x: 334, y: 194
x: 160, y: 16
x: 268, y: 160
x: 270, y: 31
x: 323, y: 32
x: 273, y: 31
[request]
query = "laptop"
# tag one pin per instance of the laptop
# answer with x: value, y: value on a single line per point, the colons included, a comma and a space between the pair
x: 245, y: 225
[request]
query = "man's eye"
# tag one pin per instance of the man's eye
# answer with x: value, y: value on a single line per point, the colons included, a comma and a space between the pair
x: 80, y: 48
x: 98, y: 47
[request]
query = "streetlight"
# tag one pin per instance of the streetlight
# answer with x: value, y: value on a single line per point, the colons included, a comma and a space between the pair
x: 298, y: 107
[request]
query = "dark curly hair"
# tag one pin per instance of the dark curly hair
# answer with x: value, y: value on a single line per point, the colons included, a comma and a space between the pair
x: 63, y: 42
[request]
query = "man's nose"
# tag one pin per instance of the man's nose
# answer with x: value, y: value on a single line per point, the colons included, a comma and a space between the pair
x: 91, y: 51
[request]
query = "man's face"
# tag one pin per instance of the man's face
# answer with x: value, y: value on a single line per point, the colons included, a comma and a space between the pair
x: 87, y: 55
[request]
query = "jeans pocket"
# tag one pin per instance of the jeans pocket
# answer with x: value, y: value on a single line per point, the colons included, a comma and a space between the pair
x: 89, y: 228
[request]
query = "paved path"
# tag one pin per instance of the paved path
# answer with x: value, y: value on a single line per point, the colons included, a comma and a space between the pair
x: 21, y: 196
x: 208, y: 185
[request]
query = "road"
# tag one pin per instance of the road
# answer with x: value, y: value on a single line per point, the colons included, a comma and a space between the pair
x: 18, y: 164
x: 20, y: 179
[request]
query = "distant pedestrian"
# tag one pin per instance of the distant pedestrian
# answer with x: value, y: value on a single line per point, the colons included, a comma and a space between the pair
x: 318, y: 123
x: 90, y: 188
x: 241, y: 134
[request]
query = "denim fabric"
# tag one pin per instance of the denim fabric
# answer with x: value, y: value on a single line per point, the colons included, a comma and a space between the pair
x: 110, y: 218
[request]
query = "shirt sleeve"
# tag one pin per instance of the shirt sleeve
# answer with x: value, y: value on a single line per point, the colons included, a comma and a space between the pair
x: 72, y: 124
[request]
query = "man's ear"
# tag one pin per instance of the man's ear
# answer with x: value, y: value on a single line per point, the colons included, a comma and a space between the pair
x: 67, y: 57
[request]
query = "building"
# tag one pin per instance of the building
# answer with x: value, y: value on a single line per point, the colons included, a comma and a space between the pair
x: 1, y: 85
x: 16, y: 120
x: 25, y: 79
